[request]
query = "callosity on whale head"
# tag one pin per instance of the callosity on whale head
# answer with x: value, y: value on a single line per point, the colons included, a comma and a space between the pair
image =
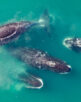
x: 31, y: 81
x: 73, y: 43
x: 41, y: 60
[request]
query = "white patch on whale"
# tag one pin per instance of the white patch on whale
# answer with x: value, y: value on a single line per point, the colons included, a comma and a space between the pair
x: 67, y: 45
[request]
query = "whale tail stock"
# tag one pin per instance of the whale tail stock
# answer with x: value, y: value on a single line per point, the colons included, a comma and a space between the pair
x: 44, y: 21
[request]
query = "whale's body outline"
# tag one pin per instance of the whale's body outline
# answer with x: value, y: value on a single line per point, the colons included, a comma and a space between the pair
x: 11, y: 31
x: 41, y: 60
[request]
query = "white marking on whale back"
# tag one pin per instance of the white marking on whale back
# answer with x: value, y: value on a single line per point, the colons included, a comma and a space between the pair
x: 51, y: 63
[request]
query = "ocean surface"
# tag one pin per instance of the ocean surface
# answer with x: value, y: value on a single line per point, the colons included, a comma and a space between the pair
x: 65, y: 22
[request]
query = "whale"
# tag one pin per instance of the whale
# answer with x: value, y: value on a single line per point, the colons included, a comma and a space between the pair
x: 11, y: 31
x: 30, y: 80
x: 41, y: 60
x: 73, y: 43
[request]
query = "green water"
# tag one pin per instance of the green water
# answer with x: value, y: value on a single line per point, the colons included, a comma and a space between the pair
x: 66, y: 22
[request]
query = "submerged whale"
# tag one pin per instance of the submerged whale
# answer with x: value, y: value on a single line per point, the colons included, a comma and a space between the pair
x: 73, y: 43
x: 41, y: 60
x: 31, y: 81
x: 11, y: 31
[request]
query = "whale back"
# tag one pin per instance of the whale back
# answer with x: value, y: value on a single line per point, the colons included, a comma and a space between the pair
x: 6, y: 30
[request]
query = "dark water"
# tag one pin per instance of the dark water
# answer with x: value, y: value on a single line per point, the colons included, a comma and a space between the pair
x: 66, y: 22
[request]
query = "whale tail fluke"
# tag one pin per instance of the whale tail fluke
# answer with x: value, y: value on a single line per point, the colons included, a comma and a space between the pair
x: 44, y: 22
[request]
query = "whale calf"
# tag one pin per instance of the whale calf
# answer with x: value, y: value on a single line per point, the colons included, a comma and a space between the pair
x: 41, y: 60
x: 11, y: 31
x: 73, y: 43
x: 31, y: 81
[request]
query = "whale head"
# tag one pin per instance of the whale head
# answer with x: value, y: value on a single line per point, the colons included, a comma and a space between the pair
x: 58, y: 66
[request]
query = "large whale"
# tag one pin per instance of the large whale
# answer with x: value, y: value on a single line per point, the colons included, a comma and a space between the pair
x: 41, y: 60
x: 9, y: 32
x: 73, y: 43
